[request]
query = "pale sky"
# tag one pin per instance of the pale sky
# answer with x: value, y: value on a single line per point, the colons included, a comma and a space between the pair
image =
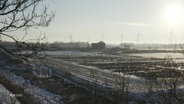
x: 90, y: 20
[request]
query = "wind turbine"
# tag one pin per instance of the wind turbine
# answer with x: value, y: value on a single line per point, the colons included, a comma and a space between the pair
x: 138, y: 37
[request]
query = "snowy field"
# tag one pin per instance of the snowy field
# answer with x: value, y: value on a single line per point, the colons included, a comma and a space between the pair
x: 137, y: 73
x: 141, y: 72
x: 160, y: 55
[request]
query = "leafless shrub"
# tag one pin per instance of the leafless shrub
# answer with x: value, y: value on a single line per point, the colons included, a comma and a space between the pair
x: 165, y: 88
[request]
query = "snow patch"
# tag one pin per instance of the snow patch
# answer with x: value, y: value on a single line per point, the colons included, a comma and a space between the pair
x: 43, y: 96
x: 6, y: 98
x: 41, y: 70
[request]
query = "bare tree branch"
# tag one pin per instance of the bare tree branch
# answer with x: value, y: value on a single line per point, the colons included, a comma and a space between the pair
x: 22, y: 15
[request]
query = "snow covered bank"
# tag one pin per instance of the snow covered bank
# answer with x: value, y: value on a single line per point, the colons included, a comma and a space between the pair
x: 40, y: 95
x: 41, y: 70
x: 6, y: 97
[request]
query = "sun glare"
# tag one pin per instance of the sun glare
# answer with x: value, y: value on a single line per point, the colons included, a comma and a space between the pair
x: 174, y: 14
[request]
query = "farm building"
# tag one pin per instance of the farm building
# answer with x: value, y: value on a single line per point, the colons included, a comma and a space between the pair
x: 99, y: 45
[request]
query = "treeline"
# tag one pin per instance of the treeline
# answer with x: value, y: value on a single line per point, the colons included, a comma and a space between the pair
x: 12, y: 46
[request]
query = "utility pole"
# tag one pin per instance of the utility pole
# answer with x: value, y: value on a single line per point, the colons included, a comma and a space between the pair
x: 138, y: 35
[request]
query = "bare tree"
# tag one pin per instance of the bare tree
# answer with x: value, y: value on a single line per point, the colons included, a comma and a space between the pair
x: 22, y: 15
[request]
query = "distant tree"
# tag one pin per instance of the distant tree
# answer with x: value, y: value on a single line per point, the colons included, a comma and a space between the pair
x: 22, y: 15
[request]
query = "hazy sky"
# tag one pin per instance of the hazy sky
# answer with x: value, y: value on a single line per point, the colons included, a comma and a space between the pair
x: 90, y: 20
